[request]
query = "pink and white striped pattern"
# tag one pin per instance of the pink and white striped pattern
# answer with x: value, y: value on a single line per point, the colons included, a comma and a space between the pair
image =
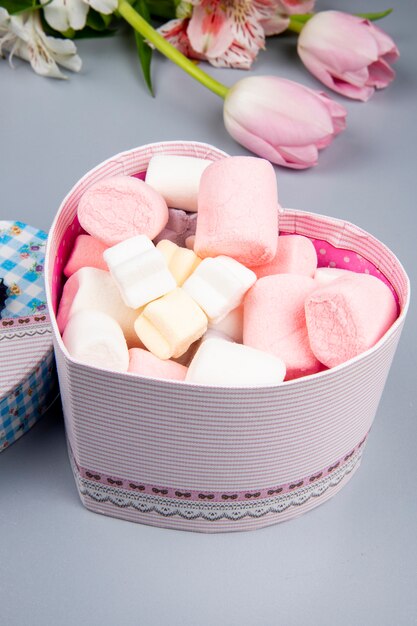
x: 188, y: 438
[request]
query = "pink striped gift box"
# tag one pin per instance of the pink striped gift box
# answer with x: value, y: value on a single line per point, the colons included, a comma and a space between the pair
x: 214, y: 459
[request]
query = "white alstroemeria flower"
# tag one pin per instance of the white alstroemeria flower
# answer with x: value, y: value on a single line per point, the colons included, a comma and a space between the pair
x: 64, y: 14
x: 22, y: 35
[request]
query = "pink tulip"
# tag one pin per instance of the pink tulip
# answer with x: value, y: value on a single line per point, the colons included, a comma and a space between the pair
x: 348, y: 54
x: 281, y: 120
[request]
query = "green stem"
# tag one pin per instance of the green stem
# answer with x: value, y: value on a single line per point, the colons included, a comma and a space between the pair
x: 161, y: 44
x: 296, y: 26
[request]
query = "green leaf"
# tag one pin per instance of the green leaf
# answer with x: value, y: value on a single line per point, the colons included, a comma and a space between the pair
x: 375, y: 16
x: 90, y: 33
x: 144, y: 51
x: 162, y: 8
x: 85, y: 33
x: 14, y: 7
x: 98, y: 21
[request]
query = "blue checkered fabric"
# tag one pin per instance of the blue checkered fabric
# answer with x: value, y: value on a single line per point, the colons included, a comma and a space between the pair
x: 20, y: 410
x: 22, y: 255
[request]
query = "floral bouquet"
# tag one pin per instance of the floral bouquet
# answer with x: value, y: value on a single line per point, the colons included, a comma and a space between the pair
x: 277, y: 119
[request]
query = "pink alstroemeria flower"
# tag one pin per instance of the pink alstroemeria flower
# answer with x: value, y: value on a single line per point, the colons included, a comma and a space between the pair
x: 230, y: 33
x: 348, y: 54
x: 275, y: 14
x: 281, y: 120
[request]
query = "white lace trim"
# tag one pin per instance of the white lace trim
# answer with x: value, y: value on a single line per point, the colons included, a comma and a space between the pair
x: 213, y: 511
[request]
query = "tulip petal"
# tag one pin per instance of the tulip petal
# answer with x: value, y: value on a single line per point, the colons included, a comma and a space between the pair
x: 337, y: 112
x: 260, y: 146
x: 386, y: 47
x: 380, y: 74
x: 340, y: 41
x: 210, y: 30
x: 304, y: 155
x: 286, y: 112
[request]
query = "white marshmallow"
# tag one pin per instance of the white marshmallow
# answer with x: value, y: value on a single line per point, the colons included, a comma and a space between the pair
x: 90, y: 288
x: 218, y: 286
x: 177, y: 178
x: 325, y: 275
x: 96, y: 338
x: 228, y: 364
x: 231, y: 325
x: 139, y: 270
x: 212, y: 333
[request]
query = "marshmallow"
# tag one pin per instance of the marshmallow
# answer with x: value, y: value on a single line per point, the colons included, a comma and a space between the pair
x: 177, y: 179
x: 139, y: 270
x: 295, y: 255
x: 181, y: 261
x: 238, y: 211
x: 189, y: 242
x: 180, y: 226
x: 325, y: 275
x: 169, y: 325
x: 144, y: 363
x: 231, y: 325
x: 87, y: 252
x: 117, y: 208
x: 218, y: 286
x: 348, y: 316
x: 274, y: 321
x: 224, y: 363
x: 96, y: 338
x: 93, y: 289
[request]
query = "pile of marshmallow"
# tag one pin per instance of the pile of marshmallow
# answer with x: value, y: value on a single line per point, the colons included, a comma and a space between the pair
x: 234, y: 304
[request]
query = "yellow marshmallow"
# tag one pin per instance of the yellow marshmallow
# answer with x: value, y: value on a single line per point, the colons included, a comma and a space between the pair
x: 181, y: 261
x: 169, y: 325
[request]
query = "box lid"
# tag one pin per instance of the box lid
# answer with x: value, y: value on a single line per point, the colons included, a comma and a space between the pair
x: 27, y: 373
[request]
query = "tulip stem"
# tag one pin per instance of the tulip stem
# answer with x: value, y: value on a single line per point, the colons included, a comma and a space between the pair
x: 296, y: 26
x: 161, y: 44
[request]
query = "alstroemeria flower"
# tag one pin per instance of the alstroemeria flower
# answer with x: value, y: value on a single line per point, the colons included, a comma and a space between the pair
x: 22, y: 35
x: 348, y: 54
x: 229, y: 33
x: 62, y: 15
x: 276, y: 13
x: 281, y: 120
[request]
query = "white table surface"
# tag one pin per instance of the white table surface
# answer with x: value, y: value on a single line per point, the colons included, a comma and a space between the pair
x: 352, y: 561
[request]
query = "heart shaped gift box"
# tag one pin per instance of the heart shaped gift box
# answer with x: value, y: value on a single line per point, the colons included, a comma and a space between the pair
x: 216, y: 459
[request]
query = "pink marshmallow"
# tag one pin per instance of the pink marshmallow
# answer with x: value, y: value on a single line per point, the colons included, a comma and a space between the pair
x: 348, y: 316
x: 274, y: 321
x: 238, y: 211
x: 121, y: 207
x: 295, y: 255
x: 87, y: 252
x: 145, y: 363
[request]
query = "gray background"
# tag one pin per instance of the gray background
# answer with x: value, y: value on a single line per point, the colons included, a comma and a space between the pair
x: 352, y: 561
